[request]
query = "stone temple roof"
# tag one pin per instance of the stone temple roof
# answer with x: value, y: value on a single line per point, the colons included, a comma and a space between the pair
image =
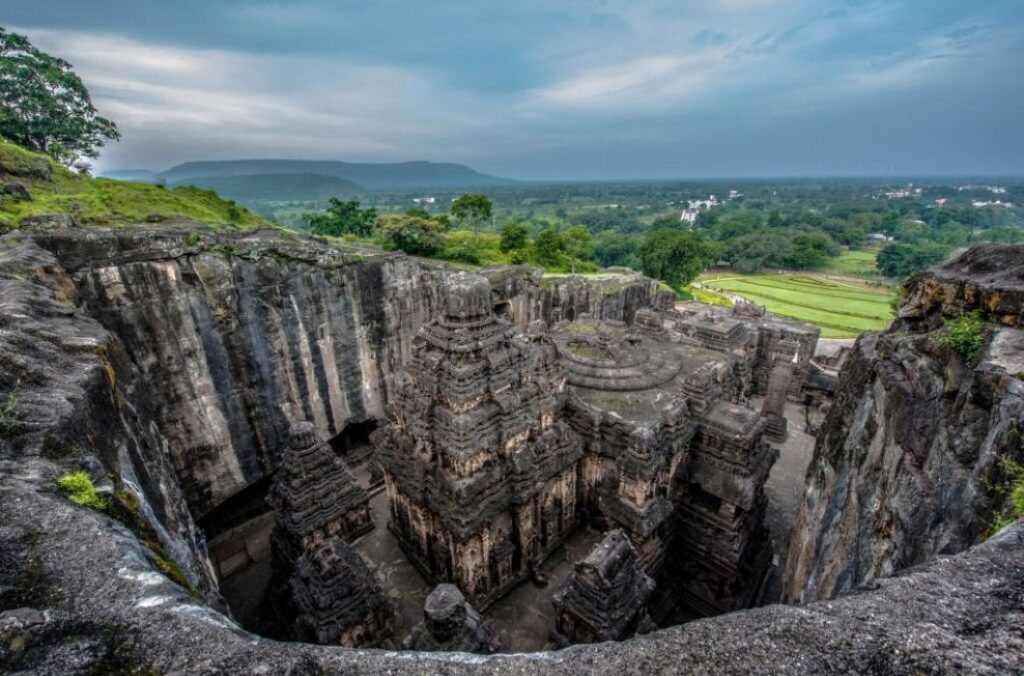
x: 626, y: 374
x: 313, y: 487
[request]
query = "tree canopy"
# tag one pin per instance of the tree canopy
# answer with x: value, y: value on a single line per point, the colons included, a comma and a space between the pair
x: 411, y: 234
x: 514, y: 237
x: 673, y: 255
x: 549, y: 247
x: 578, y: 244
x: 44, y: 106
x: 342, y: 218
x: 472, y: 209
x: 900, y: 260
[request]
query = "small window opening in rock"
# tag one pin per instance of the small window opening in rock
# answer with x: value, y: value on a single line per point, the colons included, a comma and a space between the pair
x: 503, y: 309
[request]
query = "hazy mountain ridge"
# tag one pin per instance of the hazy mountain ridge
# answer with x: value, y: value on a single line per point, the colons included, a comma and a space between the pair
x: 417, y: 174
x: 278, y: 187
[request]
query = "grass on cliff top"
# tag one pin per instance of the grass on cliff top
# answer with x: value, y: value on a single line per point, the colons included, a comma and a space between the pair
x: 55, y: 189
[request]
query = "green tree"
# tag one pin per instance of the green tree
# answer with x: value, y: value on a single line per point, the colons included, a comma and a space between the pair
x: 342, y: 218
x: 514, y: 237
x: 672, y: 255
x: 811, y: 249
x: 736, y: 224
x: 549, y: 248
x: 578, y: 244
x: 760, y: 250
x: 44, y: 106
x: 473, y: 209
x: 900, y: 260
x: 411, y: 234
x: 615, y: 248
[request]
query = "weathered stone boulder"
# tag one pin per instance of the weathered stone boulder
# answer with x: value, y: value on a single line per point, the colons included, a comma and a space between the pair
x: 16, y: 191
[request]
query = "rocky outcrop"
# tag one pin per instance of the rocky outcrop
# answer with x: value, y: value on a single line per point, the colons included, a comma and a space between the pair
x: 71, y: 398
x: 907, y: 465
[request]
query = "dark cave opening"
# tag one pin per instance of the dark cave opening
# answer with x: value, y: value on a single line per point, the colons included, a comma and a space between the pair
x: 353, y: 442
x: 238, y: 544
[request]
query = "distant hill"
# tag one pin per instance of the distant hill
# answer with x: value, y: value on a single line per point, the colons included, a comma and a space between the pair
x: 278, y: 187
x: 369, y: 176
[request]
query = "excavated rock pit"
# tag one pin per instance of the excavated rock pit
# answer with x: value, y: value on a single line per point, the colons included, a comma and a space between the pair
x: 168, y: 368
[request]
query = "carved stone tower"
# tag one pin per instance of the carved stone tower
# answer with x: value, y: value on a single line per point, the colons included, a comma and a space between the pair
x: 321, y: 589
x: 481, y: 473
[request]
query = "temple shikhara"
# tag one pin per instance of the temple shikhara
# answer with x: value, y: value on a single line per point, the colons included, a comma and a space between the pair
x: 482, y: 470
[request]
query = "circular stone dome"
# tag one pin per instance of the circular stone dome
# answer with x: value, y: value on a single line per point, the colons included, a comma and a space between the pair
x: 466, y: 295
x: 302, y: 435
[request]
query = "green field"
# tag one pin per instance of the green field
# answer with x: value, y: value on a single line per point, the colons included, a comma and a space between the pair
x: 859, y: 263
x: 841, y: 310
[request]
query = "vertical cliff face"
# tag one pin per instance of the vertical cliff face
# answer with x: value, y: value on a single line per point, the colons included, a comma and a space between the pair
x: 907, y: 465
x: 72, y: 399
x: 237, y: 336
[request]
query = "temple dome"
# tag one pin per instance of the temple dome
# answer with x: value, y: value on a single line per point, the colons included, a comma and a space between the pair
x: 466, y: 295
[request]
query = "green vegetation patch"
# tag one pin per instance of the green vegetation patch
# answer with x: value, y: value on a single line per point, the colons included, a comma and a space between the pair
x: 52, y: 188
x: 964, y: 335
x: 1012, y: 495
x: 859, y: 263
x: 79, y: 489
x: 710, y: 297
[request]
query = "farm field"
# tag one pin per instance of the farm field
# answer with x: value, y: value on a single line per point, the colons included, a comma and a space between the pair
x: 841, y: 310
x: 859, y: 263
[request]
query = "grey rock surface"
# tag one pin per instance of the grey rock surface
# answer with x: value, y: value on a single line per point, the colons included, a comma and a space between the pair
x: 907, y: 465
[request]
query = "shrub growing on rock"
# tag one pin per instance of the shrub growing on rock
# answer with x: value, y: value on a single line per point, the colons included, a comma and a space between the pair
x: 963, y: 335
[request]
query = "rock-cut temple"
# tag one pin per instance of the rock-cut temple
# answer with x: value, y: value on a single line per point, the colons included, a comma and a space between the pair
x: 501, y: 443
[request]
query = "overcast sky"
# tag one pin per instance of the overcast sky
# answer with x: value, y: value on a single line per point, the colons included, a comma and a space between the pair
x: 555, y: 89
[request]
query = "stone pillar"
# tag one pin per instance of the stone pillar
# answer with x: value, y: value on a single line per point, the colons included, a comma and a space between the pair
x: 774, y: 407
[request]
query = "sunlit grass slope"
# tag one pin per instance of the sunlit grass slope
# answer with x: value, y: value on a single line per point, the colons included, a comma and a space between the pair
x: 54, y: 189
